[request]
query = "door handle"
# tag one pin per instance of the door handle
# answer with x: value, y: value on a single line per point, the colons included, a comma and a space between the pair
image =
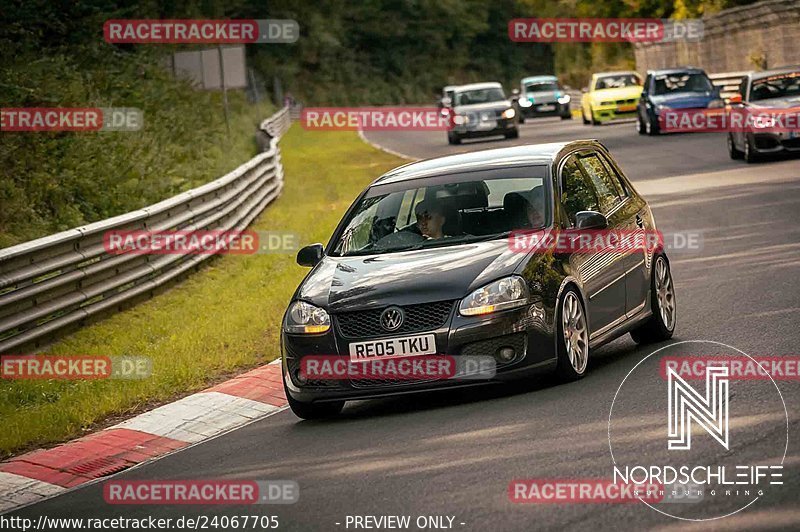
x: 639, y: 221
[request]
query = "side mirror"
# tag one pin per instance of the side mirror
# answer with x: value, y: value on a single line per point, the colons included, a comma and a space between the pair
x: 590, y: 220
x: 447, y: 102
x: 310, y: 255
x: 735, y: 98
x: 585, y: 89
x: 515, y: 92
x: 644, y: 94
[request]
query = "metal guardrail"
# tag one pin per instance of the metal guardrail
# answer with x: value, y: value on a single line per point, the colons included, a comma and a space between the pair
x: 60, y: 282
x: 728, y: 82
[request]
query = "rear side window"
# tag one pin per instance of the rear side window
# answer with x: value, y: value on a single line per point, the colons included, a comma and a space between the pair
x: 577, y: 194
x: 608, y: 195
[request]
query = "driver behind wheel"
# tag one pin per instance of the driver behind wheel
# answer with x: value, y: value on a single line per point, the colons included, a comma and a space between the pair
x: 431, y: 218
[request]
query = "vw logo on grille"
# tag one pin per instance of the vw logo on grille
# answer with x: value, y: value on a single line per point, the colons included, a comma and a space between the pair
x: 392, y: 318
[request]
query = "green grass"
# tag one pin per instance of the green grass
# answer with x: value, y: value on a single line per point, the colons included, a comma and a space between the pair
x: 51, y: 182
x: 222, y: 320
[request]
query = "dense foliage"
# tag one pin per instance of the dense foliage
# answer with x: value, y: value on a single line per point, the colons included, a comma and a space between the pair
x: 349, y: 53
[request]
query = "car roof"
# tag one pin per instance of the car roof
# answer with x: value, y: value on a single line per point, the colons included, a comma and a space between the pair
x: 615, y: 73
x: 478, y: 86
x: 539, y: 78
x: 675, y: 70
x: 525, y: 155
x: 774, y: 71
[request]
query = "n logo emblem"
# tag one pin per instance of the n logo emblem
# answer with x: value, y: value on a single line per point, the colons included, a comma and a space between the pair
x: 686, y: 404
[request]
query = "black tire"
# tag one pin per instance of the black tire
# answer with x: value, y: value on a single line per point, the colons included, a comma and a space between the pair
x: 521, y: 118
x: 313, y: 410
x: 565, y: 370
x: 512, y: 134
x: 591, y: 116
x: 655, y: 329
x: 750, y: 155
x: 583, y: 116
x: 733, y: 151
x: 652, y: 127
x: 453, y: 138
x: 640, y: 125
x: 567, y: 116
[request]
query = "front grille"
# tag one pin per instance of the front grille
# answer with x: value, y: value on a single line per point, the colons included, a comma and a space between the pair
x: 792, y: 143
x: 367, y: 323
x: 764, y: 142
x: 490, y: 347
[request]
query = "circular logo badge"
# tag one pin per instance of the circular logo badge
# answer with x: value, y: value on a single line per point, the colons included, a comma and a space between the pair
x: 392, y: 318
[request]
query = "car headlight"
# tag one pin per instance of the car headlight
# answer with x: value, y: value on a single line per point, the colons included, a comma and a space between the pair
x: 763, y: 122
x: 662, y: 107
x: 604, y: 104
x: 506, y: 293
x: 564, y: 99
x: 716, y: 103
x: 460, y: 120
x: 509, y: 113
x: 305, y: 318
x: 524, y: 102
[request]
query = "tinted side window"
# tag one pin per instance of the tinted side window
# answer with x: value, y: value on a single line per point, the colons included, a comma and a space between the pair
x: 577, y: 194
x: 607, y: 194
x: 619, y: 184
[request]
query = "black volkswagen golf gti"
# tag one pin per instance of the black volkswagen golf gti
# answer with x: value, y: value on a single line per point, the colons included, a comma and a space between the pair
x: 425, y: 263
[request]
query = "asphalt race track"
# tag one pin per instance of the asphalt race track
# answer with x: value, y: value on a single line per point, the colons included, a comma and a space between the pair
x: 455, y: 453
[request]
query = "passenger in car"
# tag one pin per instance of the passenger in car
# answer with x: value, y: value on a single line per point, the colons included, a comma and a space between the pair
x: 525, y: 210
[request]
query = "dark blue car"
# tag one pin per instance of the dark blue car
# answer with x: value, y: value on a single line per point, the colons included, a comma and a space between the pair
x: 674, y: 88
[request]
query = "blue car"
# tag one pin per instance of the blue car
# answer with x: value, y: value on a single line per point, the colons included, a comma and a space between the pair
x: 674, y: 88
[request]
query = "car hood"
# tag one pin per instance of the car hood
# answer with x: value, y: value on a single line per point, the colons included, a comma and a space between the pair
x: 409, y: 277
x: 622, y: 93
x: 490, y: 106
x: 684, y: 100
x: 777, y: 103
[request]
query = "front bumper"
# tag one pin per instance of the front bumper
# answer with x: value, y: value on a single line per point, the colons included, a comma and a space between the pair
x: 776, y: 142
x: 529, y: 330
x: 535, y: 110
x: 501, y: 127
x: 614, y: 112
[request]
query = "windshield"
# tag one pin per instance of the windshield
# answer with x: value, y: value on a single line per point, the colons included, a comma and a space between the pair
x: 683, y: 82
x: 616, y: 82
x: 472, y: 97
x: 778, y: 86
x: 444, y: 213
x: 545, y: 86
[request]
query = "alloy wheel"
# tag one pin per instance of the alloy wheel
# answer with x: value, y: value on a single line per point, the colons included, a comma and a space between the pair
x: 665, y: 294
x: 576, y: 334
